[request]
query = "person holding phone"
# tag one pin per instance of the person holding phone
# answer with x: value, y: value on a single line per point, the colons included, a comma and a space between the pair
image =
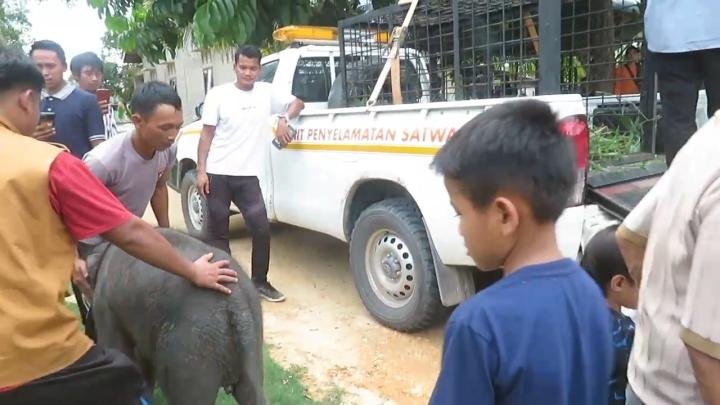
x: 231, y: 153
x: 88, y: 71
x: 78, y: 122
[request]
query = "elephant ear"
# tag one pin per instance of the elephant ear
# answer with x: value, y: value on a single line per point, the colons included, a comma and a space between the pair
x: 94, y: 260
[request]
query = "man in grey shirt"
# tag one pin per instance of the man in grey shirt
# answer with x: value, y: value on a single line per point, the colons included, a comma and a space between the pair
x: 684, y: 38
x: 135, y: 166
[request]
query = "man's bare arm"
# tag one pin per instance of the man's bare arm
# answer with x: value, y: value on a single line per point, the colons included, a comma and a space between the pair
x: 159, y: 201
x: 707, y: 374
x: 295, y: 108
x: 206, y: 137
x: 140, y: 240
x: 633, y: 252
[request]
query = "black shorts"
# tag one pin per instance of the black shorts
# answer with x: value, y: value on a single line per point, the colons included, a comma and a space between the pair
x: 101, y: 376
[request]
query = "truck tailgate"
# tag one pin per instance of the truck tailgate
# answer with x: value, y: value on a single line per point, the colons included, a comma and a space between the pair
x: 619, y: 189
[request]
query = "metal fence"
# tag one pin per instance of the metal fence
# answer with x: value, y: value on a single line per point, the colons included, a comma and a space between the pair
x: 473, y: 49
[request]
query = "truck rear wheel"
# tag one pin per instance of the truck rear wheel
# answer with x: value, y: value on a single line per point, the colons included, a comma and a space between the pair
x: 194, y: 206
x: 393, y: 267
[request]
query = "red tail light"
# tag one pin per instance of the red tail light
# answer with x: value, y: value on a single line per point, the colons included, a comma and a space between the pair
x: 576, y: 128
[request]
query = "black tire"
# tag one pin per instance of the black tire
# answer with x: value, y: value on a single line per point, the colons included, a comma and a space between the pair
x: 186, y: 188
x: 396, y: 217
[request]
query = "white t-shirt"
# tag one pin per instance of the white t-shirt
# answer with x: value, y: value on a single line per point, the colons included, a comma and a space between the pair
x: 243, y: 132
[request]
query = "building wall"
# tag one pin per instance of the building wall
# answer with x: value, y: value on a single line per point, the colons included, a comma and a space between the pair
x: 192, y: 73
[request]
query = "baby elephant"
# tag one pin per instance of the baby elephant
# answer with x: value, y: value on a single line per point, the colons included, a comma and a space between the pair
x: 192, y: 341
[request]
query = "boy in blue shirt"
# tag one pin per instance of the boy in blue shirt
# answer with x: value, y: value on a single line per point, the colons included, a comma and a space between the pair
x: 605, y: 264
x: 541, y: 334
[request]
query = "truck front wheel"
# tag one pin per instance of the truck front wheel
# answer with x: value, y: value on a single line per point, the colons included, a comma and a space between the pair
x: 393, y: 267
x: 194, y: 206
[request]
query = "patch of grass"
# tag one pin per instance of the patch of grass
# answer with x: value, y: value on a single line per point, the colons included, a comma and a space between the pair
x: 334, y: 396
x: 283, y: 386
x: 607, y: 145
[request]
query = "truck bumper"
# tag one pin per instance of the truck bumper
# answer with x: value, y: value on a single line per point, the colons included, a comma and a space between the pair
x: 456, y: 284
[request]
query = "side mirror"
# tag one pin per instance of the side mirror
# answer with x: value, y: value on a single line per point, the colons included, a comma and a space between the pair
x: 198, y: 110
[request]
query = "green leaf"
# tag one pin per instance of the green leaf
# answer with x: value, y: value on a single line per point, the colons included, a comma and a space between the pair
x: 117, y: 23
x: 202, y: 19
x: 285, y: 13
x: 248, y: 21
x: 221, y: 8
x: 98, y: 3
x: 230, y: 6
x: 217, y: 16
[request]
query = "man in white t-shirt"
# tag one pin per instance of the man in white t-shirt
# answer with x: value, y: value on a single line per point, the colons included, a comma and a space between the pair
x: 232, y: 152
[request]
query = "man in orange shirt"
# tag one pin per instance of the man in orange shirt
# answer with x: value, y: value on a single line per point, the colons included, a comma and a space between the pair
x: 627, y: 76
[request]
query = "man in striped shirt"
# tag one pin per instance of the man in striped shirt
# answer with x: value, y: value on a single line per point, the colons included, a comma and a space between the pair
x: 671, y: 243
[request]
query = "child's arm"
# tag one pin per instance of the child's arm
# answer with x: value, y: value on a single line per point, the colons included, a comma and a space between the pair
x: 468, y: 365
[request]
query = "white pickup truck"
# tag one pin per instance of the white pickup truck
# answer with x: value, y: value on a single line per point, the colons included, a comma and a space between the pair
x: 362, y: 175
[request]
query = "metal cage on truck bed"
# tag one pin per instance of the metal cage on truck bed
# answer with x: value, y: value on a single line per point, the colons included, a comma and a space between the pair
x: 471, y: 49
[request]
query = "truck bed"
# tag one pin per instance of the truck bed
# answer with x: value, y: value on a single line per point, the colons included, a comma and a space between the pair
x: 619, y: 188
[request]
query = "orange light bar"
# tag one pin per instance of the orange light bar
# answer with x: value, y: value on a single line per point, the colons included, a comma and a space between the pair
x: 293, y: 33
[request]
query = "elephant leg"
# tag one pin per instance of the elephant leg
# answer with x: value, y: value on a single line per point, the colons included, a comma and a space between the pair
x: 249, y: 389
x: 186, y: 387
x: 110, y: 332
x: 185, y: 375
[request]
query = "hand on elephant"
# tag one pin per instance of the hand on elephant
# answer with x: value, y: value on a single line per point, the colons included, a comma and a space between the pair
x: 79, y: 277
x: 213, y: 275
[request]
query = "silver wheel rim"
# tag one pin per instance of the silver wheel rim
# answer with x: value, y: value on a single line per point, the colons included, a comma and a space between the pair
x: 390, y: 268
x: 195, y: 211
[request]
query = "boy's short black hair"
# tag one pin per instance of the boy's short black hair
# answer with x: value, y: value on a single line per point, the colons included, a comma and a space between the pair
x: 18, y: 71
x: 602, y: 258
x: 514, y: 146
x: 152, y: 94
x: 85, y: 59
x: 47, y: 45
x: 248, y: 51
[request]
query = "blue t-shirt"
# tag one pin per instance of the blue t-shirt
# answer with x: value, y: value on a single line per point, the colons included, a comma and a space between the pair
x: 623, y: 334
x: 541, y: 335
x: 78, y: 119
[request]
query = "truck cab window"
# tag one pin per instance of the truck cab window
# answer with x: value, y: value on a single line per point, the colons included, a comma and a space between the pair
x: 312, y: 81
x: 267, y: 71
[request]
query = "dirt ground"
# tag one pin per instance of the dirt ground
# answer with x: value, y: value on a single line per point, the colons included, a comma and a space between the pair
x: 324, y: 327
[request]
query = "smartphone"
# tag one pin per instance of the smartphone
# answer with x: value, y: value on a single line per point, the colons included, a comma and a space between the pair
x: 47, y: 118
x: 103, y: 95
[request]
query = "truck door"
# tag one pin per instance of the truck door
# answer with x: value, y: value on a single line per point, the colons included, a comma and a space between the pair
x: 268, y: 69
